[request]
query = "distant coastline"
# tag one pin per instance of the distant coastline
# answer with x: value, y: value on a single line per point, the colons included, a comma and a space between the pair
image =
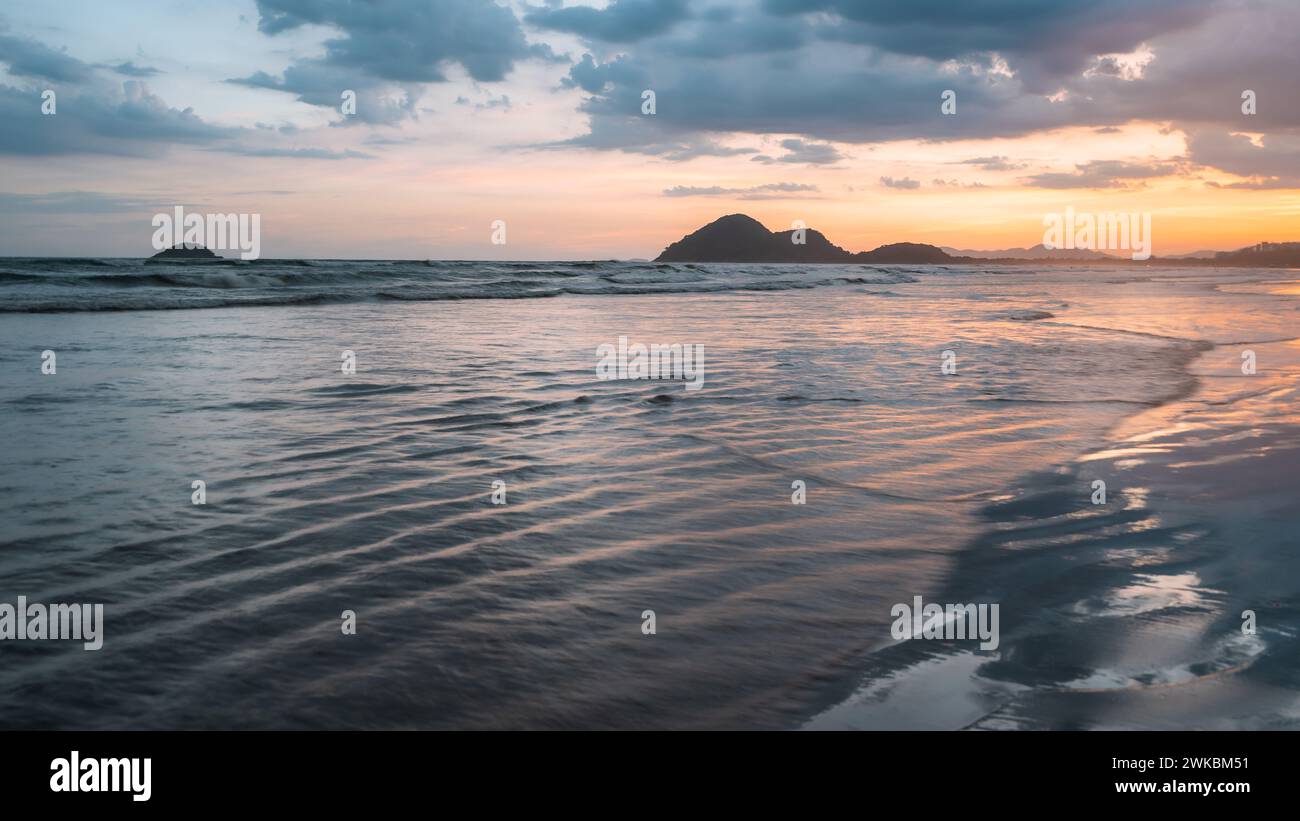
x: 741, y: 238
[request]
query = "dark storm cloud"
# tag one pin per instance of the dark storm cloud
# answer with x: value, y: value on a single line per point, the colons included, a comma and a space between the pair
x: 871, y: 72
x: 408, y: 41
x: 718, y: 39
x: 832, y: 92
x: 399, y: 43
x: 1045, y: 40
x: 827, y: 90
x: 1198, y: 77
x: 622, y: 21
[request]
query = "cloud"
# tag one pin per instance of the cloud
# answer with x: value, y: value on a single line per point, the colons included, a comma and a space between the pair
x: 594, y: 77
x: 91, y: 113
x: 721, y: 36
x: 799, y: 151
x: 385, y: 51
x: 904, y: 183
x: 1103, y: 174
x: 636, y: 134
x: 130, y: 69
x: 622, y: 21
x: 1272, y: 163
x: 317, y: 84
x: 408, y: 41
x: 1042, y: 41
x: 25, y: 57
x: 502, y: 102
x: 298, y: 153
x: 831, y: 92
x: 999, y: 163
x: 99, y: 119
x: 851, y: 72
x: 775, y: 190
x: 821, y: 73
x: 72, y: 202
x: 381, y: 139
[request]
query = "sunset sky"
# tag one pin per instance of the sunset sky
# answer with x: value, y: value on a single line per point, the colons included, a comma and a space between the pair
x: 826, y: 111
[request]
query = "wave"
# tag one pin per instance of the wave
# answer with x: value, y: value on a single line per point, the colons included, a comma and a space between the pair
x: 79, y: 285
x: 1030, y: 315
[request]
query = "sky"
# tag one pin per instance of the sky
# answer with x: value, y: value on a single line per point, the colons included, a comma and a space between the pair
x: 827, y: 112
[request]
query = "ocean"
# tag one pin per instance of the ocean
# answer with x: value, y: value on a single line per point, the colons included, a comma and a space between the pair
x: 862, y: 435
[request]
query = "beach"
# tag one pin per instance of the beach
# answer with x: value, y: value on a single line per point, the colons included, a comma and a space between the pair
x: 372, y: 492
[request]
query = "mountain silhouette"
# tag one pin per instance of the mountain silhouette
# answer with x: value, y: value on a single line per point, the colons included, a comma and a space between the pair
x: 741, y: 238
x: 1036, y: 252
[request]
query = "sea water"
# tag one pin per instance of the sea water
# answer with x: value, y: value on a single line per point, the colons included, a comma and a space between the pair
x: 373, y: 492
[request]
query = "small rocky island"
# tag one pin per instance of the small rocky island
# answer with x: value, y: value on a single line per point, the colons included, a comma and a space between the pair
x: 184, y: 251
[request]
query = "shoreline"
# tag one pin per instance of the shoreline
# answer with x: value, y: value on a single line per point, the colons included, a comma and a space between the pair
x: 1179, y: 652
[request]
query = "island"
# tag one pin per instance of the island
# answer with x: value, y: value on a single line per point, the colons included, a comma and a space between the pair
x: 741, y: 238
x: 184, y: 251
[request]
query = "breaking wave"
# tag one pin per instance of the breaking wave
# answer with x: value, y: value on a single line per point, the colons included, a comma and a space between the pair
x: 49, y: 285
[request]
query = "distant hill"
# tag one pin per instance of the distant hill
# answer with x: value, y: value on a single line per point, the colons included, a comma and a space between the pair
x: 1036, y: 252
x: 1263, y: 255
x: 741, y: 238
x: 905, y: 253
